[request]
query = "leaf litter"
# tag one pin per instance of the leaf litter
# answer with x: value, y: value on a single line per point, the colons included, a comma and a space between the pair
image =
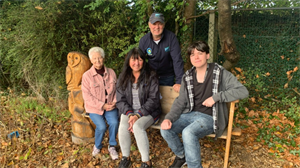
x: 49, y: 144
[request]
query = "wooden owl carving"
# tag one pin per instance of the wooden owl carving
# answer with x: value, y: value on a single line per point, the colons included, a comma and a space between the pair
x: 78, y: 63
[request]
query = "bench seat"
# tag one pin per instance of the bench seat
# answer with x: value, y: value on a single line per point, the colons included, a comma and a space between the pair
x: 168, y: 97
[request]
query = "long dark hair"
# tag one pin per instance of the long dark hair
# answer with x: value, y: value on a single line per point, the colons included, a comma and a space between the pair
x: 126, y: 73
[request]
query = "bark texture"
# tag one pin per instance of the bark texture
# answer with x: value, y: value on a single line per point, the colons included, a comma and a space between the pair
x: 189, y: 11
x: 225, y: 34
x: 149, y: 9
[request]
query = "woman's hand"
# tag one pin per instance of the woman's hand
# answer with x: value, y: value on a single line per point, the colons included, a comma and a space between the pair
x: 109, y: 106
x: 131, y: 121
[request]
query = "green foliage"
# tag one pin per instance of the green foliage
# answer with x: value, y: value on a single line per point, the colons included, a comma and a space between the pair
x: 36, y: 44
x: 33, y: 54
x: 266, y: 3
x: 255, y: 82
x: 29, y: 108
x: 291, y: 109
x: 294, y: 152
x: 277, y: 108
x: 115, y: 31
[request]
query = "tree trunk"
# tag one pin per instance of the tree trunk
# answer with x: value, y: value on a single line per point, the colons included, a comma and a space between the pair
x: 188, y: 35
x: 149, y: 8
x: 225, y: 33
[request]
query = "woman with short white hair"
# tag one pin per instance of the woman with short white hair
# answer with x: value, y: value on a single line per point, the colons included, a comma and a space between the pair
x: 99, y: 94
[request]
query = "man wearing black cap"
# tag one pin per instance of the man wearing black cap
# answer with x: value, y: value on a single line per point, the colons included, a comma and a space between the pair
x: 163, y: 51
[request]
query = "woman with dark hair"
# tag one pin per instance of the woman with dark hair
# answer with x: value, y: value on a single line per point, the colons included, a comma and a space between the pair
x: 138, y: 101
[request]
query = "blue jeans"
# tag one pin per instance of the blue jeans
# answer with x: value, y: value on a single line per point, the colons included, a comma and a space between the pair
x: 166, y: 80
x: 113, y: 122
x: 192, y: 126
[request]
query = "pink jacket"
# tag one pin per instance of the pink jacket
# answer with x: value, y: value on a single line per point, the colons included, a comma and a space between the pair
x: 93, y: 89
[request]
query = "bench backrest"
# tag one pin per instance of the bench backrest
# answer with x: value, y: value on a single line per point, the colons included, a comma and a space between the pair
x: 168, y: 96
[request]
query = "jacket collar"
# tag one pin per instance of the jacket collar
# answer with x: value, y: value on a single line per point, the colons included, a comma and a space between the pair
x: 94, y: 73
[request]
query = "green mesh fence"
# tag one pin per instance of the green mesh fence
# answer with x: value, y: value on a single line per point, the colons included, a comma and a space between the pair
x: 268, y: 40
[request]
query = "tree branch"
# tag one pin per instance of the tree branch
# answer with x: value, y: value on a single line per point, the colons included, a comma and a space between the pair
x: 296, y: 91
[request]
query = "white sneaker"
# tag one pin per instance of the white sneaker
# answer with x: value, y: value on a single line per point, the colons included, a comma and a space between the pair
x: 113, y: 153
x: 95, y: 151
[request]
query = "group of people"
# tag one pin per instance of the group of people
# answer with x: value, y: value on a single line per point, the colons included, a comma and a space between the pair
x: 130, y: 103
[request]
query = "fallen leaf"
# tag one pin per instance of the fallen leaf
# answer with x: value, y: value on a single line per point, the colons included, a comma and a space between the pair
x: 267, y: 74
x: 207, y: 145
x: 251, y: 113
x: 39, y: 8
x: 239, y: 140
x: 286, y: 85
x: 255, y: 147
x: 59, y: 158
x: 206, y: 164
x: 282, y: 57
x: 238, y: 69
x: 252, y: 99
x: 66, y: 165
x: 27, y: 154
x: 75, y: 151
x: 295, y: 69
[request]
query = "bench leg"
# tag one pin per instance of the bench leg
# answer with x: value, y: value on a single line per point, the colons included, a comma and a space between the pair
x: 229, y: 131
x: 227, y: 149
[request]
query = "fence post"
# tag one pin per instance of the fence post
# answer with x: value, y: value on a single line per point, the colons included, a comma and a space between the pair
x: 212, y: 37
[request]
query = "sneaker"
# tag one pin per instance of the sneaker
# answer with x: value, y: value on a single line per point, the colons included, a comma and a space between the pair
x: 113, y: 153
x: 95, y: 151
x: 125, y: 163
x: 178, y: 162
x: 145, y: 165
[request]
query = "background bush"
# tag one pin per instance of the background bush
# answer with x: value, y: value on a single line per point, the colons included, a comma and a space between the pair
x: 34, y: 47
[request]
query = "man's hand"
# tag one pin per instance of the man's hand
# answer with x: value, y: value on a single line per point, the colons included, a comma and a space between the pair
x: 176, y: 87
x: 109, y: 106
x: 131, y: 121
x: 166, y: 124
x: 209, y: 102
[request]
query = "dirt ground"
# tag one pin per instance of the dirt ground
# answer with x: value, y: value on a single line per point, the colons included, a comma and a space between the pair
x: 50, y: 145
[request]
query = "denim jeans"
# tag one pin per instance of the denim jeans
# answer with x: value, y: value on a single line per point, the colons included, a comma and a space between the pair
x: 166, y: 80
x: 99, y: 120
x: 192, y: 126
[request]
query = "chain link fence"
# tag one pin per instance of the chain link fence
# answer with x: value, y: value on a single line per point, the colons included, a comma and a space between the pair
x: 267, y: 39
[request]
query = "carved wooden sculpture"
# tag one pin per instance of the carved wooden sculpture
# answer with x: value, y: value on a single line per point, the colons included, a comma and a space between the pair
x: 83, y: 129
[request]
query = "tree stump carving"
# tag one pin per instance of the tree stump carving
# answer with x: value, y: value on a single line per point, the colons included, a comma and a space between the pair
x: 83, y: 129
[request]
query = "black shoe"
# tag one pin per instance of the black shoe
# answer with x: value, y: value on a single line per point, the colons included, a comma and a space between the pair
x: 178, y: 162
x: 145, y: 165
x: 125, y: 163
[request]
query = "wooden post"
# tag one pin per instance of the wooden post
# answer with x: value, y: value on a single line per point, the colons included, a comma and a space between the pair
x: 212, y: 38
x: 83, y: 129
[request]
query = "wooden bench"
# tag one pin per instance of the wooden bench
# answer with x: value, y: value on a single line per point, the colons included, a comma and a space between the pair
x: 168, y: 97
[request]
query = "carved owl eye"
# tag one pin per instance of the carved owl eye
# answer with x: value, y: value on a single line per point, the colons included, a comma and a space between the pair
x: 76, y: 60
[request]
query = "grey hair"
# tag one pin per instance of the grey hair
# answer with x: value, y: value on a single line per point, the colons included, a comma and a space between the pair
x: 96, y: 49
